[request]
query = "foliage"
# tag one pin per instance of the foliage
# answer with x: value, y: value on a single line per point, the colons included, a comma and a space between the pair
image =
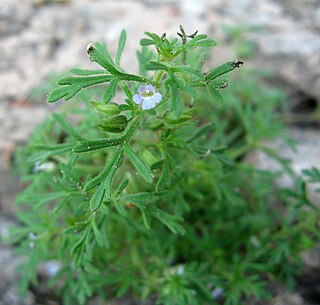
x: 160, y: 203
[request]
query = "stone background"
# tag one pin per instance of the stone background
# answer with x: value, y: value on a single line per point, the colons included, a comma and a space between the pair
x: 38, y: 37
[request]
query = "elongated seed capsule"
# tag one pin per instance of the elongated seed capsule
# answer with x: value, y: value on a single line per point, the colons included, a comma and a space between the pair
x: 225, y: 68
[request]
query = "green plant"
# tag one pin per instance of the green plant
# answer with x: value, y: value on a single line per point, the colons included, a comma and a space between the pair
x: 150, y: 196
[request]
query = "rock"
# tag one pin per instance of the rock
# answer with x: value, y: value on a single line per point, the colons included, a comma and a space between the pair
x: 305, y: 156
x: 288, y: 299
x: 13, y: 18
x: 286, y: 34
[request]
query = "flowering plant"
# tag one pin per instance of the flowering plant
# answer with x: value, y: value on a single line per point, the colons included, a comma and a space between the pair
x: 108, y: 188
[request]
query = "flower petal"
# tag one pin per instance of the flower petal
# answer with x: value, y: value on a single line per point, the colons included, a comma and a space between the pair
x: 150, y: 88
x: 137, y: 99
x: 157, y: 97
x: 142, y: 89
x: 148, y: 103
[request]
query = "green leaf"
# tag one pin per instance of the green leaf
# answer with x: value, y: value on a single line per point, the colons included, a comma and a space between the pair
x: 313, y: 174
x: 114, y: 124
x: 122, y: 186
x: 215, y: 94
x: 39, y: 200
x: 201, y: 131
x: 49, y: 151
x: 140, y: 198
x: 146, y: 42
x: 155, y: 38
x: 67, y: 126
x: 59, y: 93
x: 82, y: 72
x: 97, y: 198
x: 71, y: 85
x: 142, y: 168
x: 154, y: 65
x: 171, y: 221
x: 97, y: 234
x: 103, y: 48
x: 223, y: 69
x: 188, y: 70
x: 90, y: 145
x: 121, y: 210
x: 170, y: 119
x: 101, y: 59
x: 110, y: 91
x: 104, y: 173
x: 122, y: 42
x: 176, y: 102
x: 113, y: 166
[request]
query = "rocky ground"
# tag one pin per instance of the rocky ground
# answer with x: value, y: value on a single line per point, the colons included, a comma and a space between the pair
x: 38, y: 37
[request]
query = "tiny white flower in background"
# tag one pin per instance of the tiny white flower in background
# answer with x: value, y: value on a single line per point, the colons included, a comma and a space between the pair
x: 31, y: 243
x: 52, y: 267
x: 46, y: 167
x: 217, y: 293
x: 147, y: 96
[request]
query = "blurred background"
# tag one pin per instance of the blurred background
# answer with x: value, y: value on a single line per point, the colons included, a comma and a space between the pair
x: 39, y: 39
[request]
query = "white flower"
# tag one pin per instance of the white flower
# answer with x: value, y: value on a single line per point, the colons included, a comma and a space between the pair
x: 147, y: 96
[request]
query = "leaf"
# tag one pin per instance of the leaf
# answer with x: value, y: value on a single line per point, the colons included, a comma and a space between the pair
x: 215, y: 94
x: 59, y: 93
x: 49, y: 151
x: 154, y: 37
x: 184, y: 69
x: 313, y: 174
x: 97, y: 234
x: 201, y: 131
x: 39, y: 200
x: 146, y: 42
x: 223, y: 69
x: 71, y: 85
x: 97, y: 198
x: 66, y: 126
x: 90, y: 145
x: 176, y: 102
x: 140, y: 198
x: 122, y: 42
x: 120, y: 208
x: 154, y: 65
x: 142, y: 168
x: 99, y: 57
x: 110, y: 91
x: 171, y: 221
x: 122, y: 186
x: 83, y: 72
x: 115, y: 161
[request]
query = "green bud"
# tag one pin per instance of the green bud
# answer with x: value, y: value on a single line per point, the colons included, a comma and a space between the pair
x: 110, y: 108
x: 114, y: 124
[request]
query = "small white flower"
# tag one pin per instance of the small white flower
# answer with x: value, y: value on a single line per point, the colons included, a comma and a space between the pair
x: 217, y: 293
x: 52, y: 267
x: 147, y: 96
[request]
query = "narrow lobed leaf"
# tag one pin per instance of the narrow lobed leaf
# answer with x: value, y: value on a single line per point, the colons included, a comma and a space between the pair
x: 99, y: 57
x: 67, y: 126
x: 141, y: 167
x: 122, y: 42
x: 90, y: 145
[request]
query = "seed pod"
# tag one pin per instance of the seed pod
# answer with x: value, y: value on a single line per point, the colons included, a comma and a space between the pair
x: 110, y: 108
x: 114, y: 124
